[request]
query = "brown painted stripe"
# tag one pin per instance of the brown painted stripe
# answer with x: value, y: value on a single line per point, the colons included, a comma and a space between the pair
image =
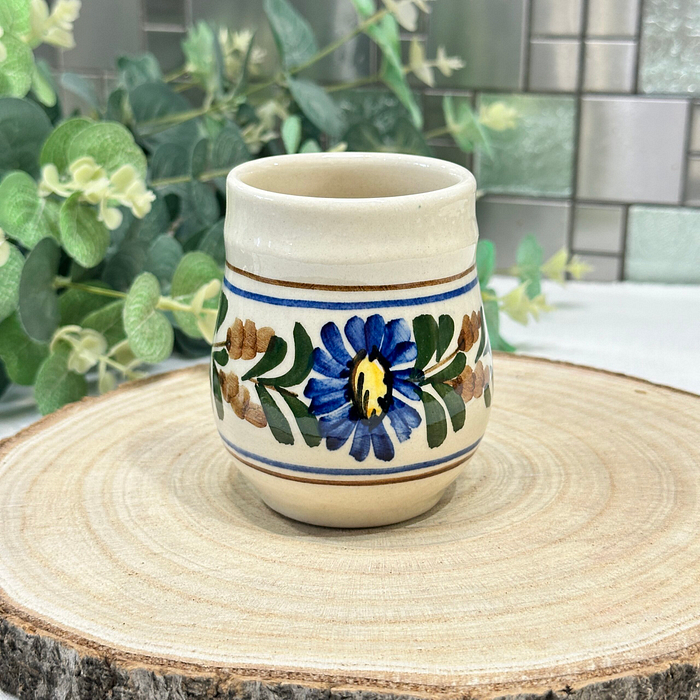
x: 352, y: 482
x: 349, y: 288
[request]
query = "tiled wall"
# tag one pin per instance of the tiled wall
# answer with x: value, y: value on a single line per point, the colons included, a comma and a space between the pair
x: 606, y: 156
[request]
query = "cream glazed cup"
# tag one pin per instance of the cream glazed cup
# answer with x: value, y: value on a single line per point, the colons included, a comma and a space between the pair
x: 351, y: 367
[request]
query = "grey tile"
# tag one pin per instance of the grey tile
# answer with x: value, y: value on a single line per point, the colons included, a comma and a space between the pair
x: 71, y: 102
x: 695, y: 132
x: 433, y: 115
x: 598, y: 228
x: 605, y: 268
x: 554, y: 64
x: 506, y: 221
x: 164, y: 11
x: 48, y: 53
x: 103, y: 32
x: 610, y: 66
x: 631, y: 149
x: 692, y: 187
x: 560, y: 17
x: 663, y: 245
x: 670, y: 47
x: 487, y: 35
x: 329, y: 23
x: 167, y: 48
x: 613, y: 17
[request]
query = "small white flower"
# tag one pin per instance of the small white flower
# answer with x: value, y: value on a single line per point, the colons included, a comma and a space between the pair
x: 498, y: 116
x: 447, y: 64
x: 51, y: 182
x: 240, y: 41
x: 130, y: 190
x: 87, y: 350
x: 110, y: 216
x: 405, y: 13
x: 106, y: 381
x: 56, y: 27
x: 417, y: 63
x: 5, y: 248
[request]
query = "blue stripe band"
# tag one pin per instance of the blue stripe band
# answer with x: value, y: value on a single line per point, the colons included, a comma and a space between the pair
x: 350, y: 472
x: 350, y: 305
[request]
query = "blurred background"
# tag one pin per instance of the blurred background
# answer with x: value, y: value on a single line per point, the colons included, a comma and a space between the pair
x: 605, y: 158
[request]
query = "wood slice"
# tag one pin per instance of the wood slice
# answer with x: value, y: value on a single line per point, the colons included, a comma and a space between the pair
x: 135, y: 563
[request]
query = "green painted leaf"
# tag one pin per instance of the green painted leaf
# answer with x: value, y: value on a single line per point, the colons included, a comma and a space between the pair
x: 425, y: 330
x: 17, y: 69
x: 491, y: 316
x: 84, y: 238
x: 110, y: 144
x: 454, y: 404
x: 529, y: 260
x: 216, y: 392
x: 364, y: 8
x: 485, y: 261
x: 482, y: 341
x: 303, y: 360
x: 10, y: 275
x: 55, y: 149
x: 38, y: 302
x: 148, y: 330
x: 223, y: 310
x: 108, y: 320
x: 221, y: 357
x: 446, y: 329
x: 487, y: 396
x: 307, y: 421
x: 435, y: 421
x: 279, y: 425
x: 291, y: 133
x: 293, y: 34
x: 273, y: 357
x: 55, y: 384
x: 452, y: 370
x: 318, y: 106
x: 135, y: 70
x: 14, y: 17
x: 162, y: 259
x: 75, y: 304
x: 81, y: 87
x: 24, y: 127
x: 24, y: 215
x: 194, y: 270
x: 43, y: 85
x: 21, y: 355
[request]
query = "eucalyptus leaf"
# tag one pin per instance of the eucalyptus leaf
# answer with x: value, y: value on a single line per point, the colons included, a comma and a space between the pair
x: 318, y: 106
x: 83, y: 236
x: 56, y: 385
x: 21, y: 355
x: 365, y: 8
x: 38, y: 302
x: 75, y: 304
x: 491, y: 316
x: 81, y: 87
x: 293, y: 35
x: 135, y: 70
x: 162, y: 259
x: 395, y: 79
x: 278, y: 424
x: 194, y: 270
x: 229, y: 148
x: 199, y: 209
x: 529, y: 258
x: 110, y: 144
x: 435, y: 420
x: 109, y: 321
x: 148, y: 330
x: 17, y: 69
x: 55, y: 149
x: 15, y: 17
x: 485, y: 261
x: 291, y: 133
x: 124, y: 264
x: 24, y: 215
x: 199, y: 48
x: 10, y: 275
x: 169, y: 160
x: 24, y: 127
x: 212, y: 243
x: 310, y: 146
x: 43, y: 85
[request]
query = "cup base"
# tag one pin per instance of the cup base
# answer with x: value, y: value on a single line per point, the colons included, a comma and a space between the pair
x: 342, y: 506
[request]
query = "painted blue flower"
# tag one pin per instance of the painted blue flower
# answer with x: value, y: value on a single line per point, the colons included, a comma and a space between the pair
x: 360, y: 389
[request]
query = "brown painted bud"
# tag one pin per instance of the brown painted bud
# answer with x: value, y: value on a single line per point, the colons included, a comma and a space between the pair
x: 263, y: 340
x: 479, y: 377
x: 249, y: 341
x: 229, y: 385
x: 239, y: 403
x: 469, y: 333
x: 234, y: 339
x: 255, y: 415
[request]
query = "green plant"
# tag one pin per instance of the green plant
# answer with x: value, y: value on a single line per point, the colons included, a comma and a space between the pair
x: 111, y: 239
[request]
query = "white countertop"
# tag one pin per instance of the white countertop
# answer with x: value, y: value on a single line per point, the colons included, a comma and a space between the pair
x: 644, y: 330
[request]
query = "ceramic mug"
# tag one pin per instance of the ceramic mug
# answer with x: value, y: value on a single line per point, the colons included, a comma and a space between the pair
x: 351, y: 369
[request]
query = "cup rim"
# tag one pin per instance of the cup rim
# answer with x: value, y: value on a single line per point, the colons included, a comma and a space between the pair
x: 464, y: 185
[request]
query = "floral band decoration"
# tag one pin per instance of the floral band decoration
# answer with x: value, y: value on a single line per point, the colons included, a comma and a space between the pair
x: 371, y: 374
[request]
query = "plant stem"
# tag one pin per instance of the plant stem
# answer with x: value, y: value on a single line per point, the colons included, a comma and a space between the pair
x: 279, y: 390
x: 434, y: 133
x: 64, y: 282
x: 174, y: 75
x: 202, y: 177
x: 220, y: 344
x: 442, y: 362
x: 360, y: 82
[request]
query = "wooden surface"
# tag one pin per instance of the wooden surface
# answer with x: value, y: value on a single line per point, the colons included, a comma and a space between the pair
x: 134, y: 563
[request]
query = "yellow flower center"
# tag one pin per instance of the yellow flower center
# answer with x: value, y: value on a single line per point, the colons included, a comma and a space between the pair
x: 370, y: 387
